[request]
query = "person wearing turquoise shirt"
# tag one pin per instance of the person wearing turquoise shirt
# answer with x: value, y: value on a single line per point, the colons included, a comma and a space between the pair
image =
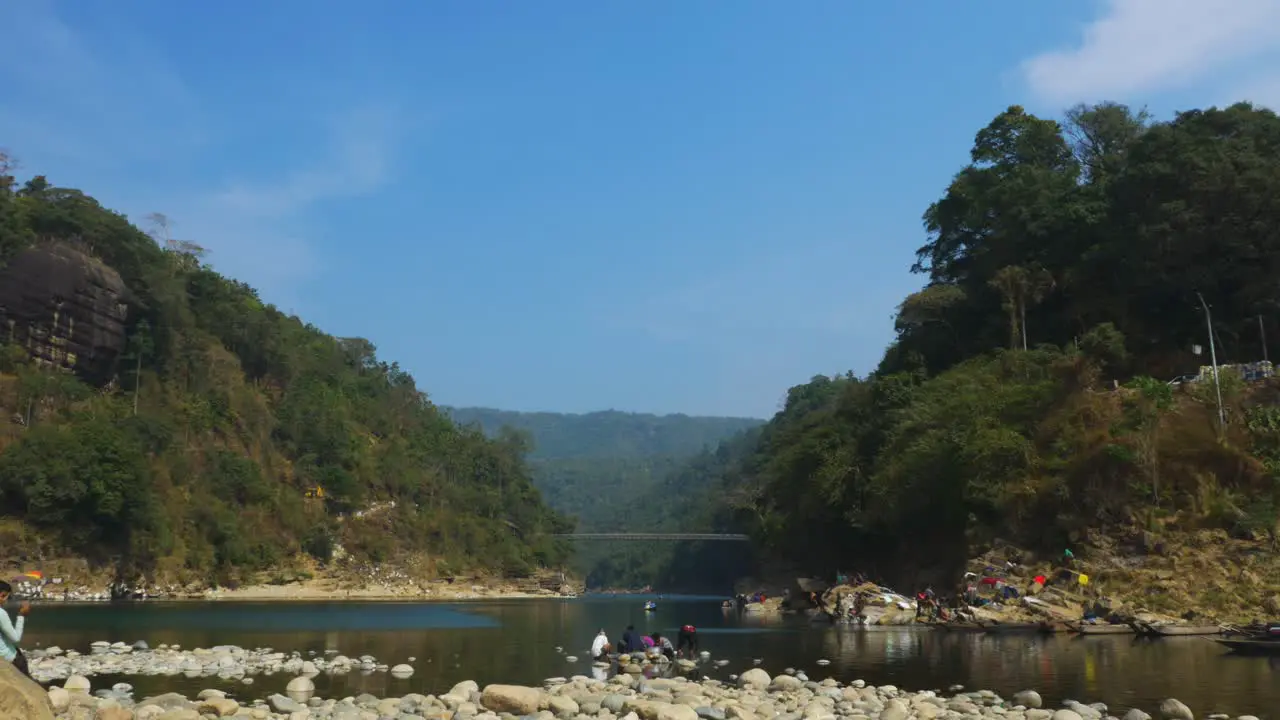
x: 11, y: 632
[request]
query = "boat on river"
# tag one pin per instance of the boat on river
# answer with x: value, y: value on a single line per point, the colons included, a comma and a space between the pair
x: 1085, y: 628
x: 995, y: 627
x: 1149, y: 629
x: 1250, y: 646
x: 958, y: 626
x: 1020, y: 628
x: 650, y: 606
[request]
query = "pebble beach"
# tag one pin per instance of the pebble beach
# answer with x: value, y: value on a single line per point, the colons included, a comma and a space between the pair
x: 628, y: 694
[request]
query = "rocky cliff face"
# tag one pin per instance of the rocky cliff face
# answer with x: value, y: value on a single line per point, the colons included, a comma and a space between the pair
x: 66, y: 308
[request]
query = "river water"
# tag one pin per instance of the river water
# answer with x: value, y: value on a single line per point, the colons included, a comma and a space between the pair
x: 514, y: 641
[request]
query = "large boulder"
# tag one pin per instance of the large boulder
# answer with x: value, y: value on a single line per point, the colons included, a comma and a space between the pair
x: 1028, y: 699
x: 656, y: 710
x: 514, y: 699
x: 218, y: 707
x: 464, y: 689
x: 20, y: 697
x: 785, y: 682
x: 562, y: 705
x: 1174, y: 709
x: 755, y: 677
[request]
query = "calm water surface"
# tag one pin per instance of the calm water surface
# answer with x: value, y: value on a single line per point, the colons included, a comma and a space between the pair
x: 513, y: 641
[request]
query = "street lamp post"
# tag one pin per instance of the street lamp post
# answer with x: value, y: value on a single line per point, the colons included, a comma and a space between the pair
x: 1213, y: 358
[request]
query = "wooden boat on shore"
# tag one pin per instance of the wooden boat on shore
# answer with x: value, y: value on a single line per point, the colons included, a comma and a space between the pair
x: 1247, y: 646
x: 961, y: 626
x: 1024, y: 628
x: 995, y: 627
x: 1148, y: 629
x: 1103, y: 629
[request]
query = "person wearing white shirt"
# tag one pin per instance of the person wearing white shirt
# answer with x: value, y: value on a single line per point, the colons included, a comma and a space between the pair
x: 600, y: 646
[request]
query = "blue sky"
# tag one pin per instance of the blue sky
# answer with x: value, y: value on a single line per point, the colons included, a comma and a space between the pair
x: 659, y: 206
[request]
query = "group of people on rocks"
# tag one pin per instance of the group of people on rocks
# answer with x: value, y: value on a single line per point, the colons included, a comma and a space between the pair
x: 930, y: 607
x: 999, y: 588
x: 652, y: 644
x: 741, y: 600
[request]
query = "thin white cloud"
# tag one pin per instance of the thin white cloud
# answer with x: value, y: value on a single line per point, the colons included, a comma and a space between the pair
x: 100, y: 107
x: 258, y: 230
x: 358, y: 162
x: 1148, y: 46
x: 102, y: 99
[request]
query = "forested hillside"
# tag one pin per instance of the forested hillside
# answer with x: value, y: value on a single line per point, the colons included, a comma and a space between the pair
x: 608, y: 433
x: 1026, y: 396
x: 592, y: 465
x: 689, y: 498
x: 617, y: 471
x: 201, y: 434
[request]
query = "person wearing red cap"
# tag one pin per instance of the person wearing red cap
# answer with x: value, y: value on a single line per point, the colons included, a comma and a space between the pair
x: 688, y: 637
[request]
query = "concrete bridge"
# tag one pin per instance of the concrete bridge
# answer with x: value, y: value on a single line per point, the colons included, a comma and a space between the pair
x: 718, y: 537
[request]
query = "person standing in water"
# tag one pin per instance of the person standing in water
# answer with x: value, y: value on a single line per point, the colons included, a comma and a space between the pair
x: 11, y: 632
x: 631, y: 641
x: 688, y: 638
x: 663, y: 645
x: 600, y: 646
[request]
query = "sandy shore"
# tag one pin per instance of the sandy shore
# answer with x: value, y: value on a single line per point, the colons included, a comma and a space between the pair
x: 305, y: 593
x: 327, y: 590
x: 72, y: 582
x: 321, y: 589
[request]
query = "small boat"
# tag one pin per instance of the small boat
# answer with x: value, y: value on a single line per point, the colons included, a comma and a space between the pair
x: 1174, y: 629
x: 959, y: 626
x: 650, y: 606
x: 1103, y: 629
x: 999, y: 628
x: 1053, y: 627
x: 1242, y: 646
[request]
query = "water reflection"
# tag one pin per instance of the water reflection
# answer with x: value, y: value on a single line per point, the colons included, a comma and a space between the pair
x: 1121, y: 671
x: 514, y: 641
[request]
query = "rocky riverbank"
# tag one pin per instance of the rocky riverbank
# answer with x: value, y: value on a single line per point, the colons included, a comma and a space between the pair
x: 1203, y: 577
x: 365, y: 583
x: 226, y: 662
x: 753, y: 695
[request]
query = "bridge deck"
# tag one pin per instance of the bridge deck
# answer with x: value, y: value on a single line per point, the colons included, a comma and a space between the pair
x: 723, y: 537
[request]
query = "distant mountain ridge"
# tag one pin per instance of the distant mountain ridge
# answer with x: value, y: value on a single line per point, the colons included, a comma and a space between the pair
x: 637, y: 472
x: 608, y: 433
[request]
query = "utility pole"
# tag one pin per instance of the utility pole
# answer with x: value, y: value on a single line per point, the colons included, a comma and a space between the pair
x: 1262, y: 330
x: 137, y: 381
x: 1213, y: 358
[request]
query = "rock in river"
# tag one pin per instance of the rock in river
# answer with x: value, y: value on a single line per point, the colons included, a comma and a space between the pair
x: 515, y: 699
x: 755, y: 677
x: 1173, y: 709
x: 1028, y: 699
x: 22, y: 698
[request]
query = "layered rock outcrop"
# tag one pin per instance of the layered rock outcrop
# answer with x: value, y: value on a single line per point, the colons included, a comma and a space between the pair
x: 66, y: 308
